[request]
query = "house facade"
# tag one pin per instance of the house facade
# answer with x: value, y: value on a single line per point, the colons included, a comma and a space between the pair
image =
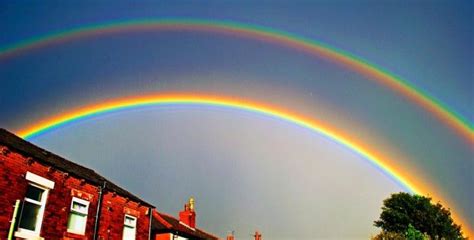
x: 166, y: 227
x: 44, y: 196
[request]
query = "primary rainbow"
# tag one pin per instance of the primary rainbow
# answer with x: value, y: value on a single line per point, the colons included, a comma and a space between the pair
x: 381, y: 162
x: 463, y: 127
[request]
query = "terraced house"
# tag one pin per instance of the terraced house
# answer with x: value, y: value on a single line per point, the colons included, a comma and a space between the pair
x: 44, y: 196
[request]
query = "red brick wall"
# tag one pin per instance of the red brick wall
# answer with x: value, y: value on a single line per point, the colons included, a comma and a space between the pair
x: 113, y: 213
x: 58, y: 208
x: 13, y: 168
x: 163, y: 236
x: 11, y: 188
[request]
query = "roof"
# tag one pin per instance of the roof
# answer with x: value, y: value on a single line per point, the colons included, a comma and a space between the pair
x: 38, y: 154
x: 164, y: 223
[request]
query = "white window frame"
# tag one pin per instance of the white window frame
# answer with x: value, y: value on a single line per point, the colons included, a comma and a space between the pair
x: 46, y: 185
x: 134, y: 226
x: 39, y: 180
x: 26, y: 233
x: 84, y: 212
x: 42, y: 204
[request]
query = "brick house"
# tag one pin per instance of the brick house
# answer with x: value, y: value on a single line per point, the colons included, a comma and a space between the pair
x: 166, y: 227
x: 256, y: 236
x: 55, y: 198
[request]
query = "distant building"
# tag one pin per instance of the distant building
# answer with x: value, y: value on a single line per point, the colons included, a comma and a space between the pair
x: 44, y: 196
x: 166, y: 227
x: 256, y: 236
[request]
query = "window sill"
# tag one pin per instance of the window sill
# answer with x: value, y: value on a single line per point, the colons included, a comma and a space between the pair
x: 27, y: 235
x: 70, y: 231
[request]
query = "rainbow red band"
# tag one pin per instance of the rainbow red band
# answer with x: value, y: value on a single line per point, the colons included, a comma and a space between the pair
x: 442, y: 112
x: 436, y: 108
x: 382, y: 163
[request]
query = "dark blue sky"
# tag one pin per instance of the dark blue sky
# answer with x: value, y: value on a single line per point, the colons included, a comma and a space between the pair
x: 418, y: 41
x: 427, y: 43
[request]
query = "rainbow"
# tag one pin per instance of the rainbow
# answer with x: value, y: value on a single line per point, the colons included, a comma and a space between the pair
x: 383, y: 163
x: 460, y: 125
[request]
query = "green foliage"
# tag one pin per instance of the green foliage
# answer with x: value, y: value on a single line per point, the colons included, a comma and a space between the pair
x: 389, y: 236
x: 401, y: 210
x: 413, y: 234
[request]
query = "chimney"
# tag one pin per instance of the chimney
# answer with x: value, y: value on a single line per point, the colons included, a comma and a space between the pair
x: 188, y: 215
x: 230, y: 236
x: 258, y: 236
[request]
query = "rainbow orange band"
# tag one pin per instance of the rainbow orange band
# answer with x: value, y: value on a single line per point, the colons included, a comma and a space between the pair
x: 438, y: 109
x: 371, y: 154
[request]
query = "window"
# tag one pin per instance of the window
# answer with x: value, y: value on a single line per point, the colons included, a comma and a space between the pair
x: 77, y: 220
x: 34, y: 203
x: 129, y: 227
x: 33, y: 209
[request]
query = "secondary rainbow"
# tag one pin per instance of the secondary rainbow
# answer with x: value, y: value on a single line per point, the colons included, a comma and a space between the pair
x: 463, y: 127
x: 377, y: 159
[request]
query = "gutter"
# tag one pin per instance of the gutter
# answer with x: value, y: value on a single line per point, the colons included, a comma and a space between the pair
x: 13, y: 221
x: 151, y: 219
x: 99, y: 209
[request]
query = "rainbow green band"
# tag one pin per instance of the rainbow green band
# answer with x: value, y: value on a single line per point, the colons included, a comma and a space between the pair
x: 405, y: 178
x: 436, y: 107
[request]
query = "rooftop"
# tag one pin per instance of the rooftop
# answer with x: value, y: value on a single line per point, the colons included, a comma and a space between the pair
x: 48, y: 158
x: 164, y: 223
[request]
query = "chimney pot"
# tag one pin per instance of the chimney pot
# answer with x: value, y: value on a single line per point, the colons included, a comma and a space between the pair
x: 230, y: 236
x: 258, y: 236
x: 188, y: 215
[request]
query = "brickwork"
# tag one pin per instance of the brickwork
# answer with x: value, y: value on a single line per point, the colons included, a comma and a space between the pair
x: 57, y: 182
x: 113, y: 213
x: 164, y: 236
x: 13, y: 185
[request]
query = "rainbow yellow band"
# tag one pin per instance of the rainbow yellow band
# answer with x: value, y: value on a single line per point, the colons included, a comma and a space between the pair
x: 384, y: 164
x: 455, y: 121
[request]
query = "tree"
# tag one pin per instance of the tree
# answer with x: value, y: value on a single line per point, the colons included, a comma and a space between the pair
x: 389, y: 236
x: 401, y: 210
x: 413, y: 234
x: 410, y: 234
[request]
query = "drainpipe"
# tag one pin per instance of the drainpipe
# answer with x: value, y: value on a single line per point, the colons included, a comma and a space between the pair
x: 13, y: 221
x: 99, y: 209
x: 151, y: 219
